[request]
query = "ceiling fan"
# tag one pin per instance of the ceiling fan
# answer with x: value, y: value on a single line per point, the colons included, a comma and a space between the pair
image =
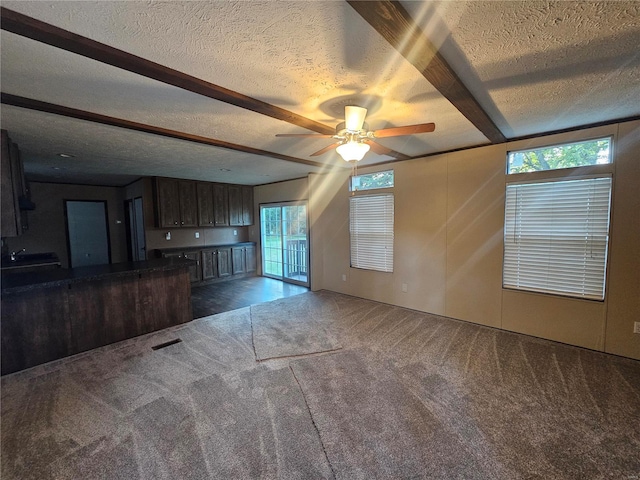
x: 355, y: 139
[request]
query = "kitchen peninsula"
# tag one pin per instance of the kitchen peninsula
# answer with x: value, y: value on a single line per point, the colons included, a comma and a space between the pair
x: 57, y: 313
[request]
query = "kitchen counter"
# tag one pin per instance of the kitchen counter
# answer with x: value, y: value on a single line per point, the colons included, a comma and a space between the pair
x: 160, y: 251
x: 29, y: 281
x: 53, y: 314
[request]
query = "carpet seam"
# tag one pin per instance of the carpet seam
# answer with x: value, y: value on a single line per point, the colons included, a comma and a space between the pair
x: 299, y: 355
x: 304, y: 397
x: 253, y: 344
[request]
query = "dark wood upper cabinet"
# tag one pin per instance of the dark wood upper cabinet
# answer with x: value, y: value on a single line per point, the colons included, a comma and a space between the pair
x: 240, y: 205
x: 168, y: 202
x: 235, y: 205
x: 220, y: 205
x: 247, y: 205
x: 177, y: 203
x: 188, y: 204
x: 205, y: 205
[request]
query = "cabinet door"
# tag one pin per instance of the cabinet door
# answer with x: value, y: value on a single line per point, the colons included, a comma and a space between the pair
x: 238, y: 260
x: 195, y: 271
x: 188, y: 204
x: 247, y: 205
x: 224, y: 262
x: 250, y: 258
x: 220, y: 205
x: 205, y: 204
x: 8, y: 203
x: 209, y: 264
x: 168, y: 202
x: 235, y: 205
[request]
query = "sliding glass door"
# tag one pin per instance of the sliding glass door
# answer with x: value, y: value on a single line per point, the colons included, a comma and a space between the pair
x: 285, y: 242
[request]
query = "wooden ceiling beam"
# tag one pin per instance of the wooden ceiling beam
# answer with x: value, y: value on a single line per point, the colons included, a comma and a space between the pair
x: 393, y: 22
x: 28, y: 27
x: 31, y: 104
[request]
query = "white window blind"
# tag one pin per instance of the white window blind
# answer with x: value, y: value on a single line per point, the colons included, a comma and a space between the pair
x: 556, y: 237
x: 371, y: 228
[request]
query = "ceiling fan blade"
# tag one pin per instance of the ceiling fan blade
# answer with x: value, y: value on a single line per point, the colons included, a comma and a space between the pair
x: 315, y: 135
x: 379, y: 149
x: 354, y: 117
x: 325, y: 149
x: 382, y: 150
x: 406, y: 130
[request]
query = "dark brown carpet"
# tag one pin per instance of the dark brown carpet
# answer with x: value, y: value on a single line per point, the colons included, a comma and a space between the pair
x: 409, y: 395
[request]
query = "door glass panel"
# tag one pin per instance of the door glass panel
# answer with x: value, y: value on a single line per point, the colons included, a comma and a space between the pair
x: 294, y: 226
x: 271, y: 218
x: 285, y: 242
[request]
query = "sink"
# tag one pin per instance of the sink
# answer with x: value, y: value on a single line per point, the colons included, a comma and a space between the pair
x: 30, y: 260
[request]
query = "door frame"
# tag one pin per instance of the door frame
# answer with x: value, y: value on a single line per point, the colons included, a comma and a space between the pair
x: 66, y: 225
x: 131, y: 222
x: 308, y: 255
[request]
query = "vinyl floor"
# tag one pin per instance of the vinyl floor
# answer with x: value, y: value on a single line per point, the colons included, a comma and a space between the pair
x: 226, y: 296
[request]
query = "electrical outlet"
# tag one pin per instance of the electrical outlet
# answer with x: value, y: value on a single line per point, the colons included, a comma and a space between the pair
x: 167, y: 236
x: 405, y: 288
x: 636, y: 327
x: 235, y: 232
x: 344, y: 277
x: 197, y: 234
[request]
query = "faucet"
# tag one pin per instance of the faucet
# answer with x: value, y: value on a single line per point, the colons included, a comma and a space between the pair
x: 16, y: 253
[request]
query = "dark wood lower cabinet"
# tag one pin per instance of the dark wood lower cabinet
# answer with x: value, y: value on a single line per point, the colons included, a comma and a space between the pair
x: 224, y: 262
x: 239, y: 261
x: 244, y: 259
x: 195, y: 271
x: 218, y: 262
x: 45, y: 324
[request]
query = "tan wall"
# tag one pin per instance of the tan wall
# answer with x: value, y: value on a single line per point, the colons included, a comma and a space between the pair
x: 47, y: 230
x: 449, y: 217
x: 624, y: 265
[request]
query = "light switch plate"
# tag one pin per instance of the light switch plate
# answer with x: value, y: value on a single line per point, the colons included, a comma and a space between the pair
x: 197, y: 234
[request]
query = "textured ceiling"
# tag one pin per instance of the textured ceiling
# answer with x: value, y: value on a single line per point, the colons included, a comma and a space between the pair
x: 534, y: 67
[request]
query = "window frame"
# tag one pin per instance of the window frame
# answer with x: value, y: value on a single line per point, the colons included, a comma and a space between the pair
x: 378, y: 192
x: 564, y: 170
x: 351, y: 177
x: 557, y: 293
x: 572, y: 173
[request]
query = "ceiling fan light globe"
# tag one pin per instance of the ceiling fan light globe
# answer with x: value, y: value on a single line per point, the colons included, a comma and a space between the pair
x: 352, y: 151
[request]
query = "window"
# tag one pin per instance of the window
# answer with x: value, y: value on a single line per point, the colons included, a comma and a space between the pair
x: 371, y: 181
x: 371, y: 228
x: 569, y: 155
x: 556, y: 236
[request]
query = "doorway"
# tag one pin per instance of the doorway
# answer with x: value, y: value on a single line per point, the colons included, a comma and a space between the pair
x: 87, y: 232
x: 134, y: 217
x: 284, y: 236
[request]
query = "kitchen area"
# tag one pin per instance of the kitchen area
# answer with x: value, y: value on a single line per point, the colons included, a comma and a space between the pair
x: 81, y: 269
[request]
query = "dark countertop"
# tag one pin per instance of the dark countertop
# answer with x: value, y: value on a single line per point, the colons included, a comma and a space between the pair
x: 25, y: 282
x: 202, y: 247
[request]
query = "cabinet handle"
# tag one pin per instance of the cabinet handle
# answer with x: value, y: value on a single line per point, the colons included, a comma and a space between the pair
x: 182, y: 223
x: 175, y: 223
